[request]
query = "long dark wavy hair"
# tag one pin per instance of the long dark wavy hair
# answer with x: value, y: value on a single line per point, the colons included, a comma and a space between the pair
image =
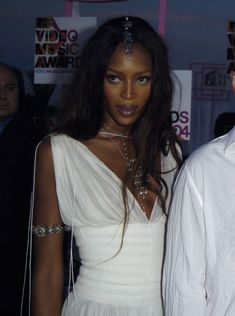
x: 82, y: 106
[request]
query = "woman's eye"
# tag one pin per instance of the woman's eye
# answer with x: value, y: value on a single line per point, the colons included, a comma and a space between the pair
x: 112, y: 78
x: 143, y: 79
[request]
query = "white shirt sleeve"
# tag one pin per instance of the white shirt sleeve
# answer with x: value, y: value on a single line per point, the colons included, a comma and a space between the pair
x: 184, y: 267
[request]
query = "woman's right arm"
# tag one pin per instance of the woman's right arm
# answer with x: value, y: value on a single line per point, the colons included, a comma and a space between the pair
x: 47, y: 286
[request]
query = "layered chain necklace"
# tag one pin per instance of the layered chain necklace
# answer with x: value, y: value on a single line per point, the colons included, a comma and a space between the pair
x: 139, y: 187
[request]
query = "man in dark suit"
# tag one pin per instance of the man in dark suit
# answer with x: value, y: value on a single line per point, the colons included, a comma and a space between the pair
x: 18, y: 139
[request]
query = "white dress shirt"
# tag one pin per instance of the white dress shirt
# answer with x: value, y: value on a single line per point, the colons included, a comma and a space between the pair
x: 199, y: 269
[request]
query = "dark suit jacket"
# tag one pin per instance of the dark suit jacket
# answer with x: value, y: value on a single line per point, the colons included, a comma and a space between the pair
x: 17, y: 146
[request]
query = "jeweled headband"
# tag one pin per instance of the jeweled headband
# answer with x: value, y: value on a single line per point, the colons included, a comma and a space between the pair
x: 128, y: 37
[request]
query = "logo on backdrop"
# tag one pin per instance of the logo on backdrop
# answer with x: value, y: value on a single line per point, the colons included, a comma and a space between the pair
x: 57, y: 46
x: 181, y: 111
x: 210, y: 82
x: 231, y: 47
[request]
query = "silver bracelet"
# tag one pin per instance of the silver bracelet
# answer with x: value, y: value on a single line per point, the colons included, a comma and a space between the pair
x: 42, y: 230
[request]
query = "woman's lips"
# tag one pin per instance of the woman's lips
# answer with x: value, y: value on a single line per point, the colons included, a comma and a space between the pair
x: 127, y: 110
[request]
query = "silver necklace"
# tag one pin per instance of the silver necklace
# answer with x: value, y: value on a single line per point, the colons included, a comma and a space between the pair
x: 113, y: 134
x: 140, y: 189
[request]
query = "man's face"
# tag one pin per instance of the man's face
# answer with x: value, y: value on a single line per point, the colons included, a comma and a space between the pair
x: 9, y: 93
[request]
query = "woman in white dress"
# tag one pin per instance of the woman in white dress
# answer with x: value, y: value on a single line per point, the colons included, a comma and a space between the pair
x: 106, y: 172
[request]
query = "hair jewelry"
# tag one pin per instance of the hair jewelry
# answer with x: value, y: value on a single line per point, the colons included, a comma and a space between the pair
x: 128, y: 37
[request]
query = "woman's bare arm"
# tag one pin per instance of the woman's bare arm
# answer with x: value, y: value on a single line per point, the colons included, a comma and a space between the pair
x: 48, y: 275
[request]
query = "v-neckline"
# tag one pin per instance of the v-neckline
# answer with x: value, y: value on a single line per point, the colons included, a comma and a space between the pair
x: 130, y: 194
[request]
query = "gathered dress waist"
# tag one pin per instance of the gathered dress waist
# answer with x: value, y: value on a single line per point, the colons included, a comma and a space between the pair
x: 124, y: 274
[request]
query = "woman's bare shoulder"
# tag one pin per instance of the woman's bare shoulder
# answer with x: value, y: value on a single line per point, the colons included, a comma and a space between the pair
x: 44, y: 153
x: 44, y: 147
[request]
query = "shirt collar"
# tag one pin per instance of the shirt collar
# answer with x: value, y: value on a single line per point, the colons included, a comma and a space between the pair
x: 229, y: 146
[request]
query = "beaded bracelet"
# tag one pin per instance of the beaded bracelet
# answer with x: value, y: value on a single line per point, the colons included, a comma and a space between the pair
x: 42, y: 230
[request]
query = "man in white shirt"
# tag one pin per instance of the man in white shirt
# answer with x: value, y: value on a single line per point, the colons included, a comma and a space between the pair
x: 199, y: 268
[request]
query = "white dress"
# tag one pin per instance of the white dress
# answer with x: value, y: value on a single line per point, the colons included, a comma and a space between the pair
x: 90, y: 201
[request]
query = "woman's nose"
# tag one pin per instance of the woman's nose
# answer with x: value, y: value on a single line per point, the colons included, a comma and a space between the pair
x: 128, y: 91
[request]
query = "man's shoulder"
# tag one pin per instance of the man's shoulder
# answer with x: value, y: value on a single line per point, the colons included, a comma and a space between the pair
x: 207, y: 154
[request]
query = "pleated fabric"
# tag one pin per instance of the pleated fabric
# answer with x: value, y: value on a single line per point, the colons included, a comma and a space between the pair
x: 111, y: 281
